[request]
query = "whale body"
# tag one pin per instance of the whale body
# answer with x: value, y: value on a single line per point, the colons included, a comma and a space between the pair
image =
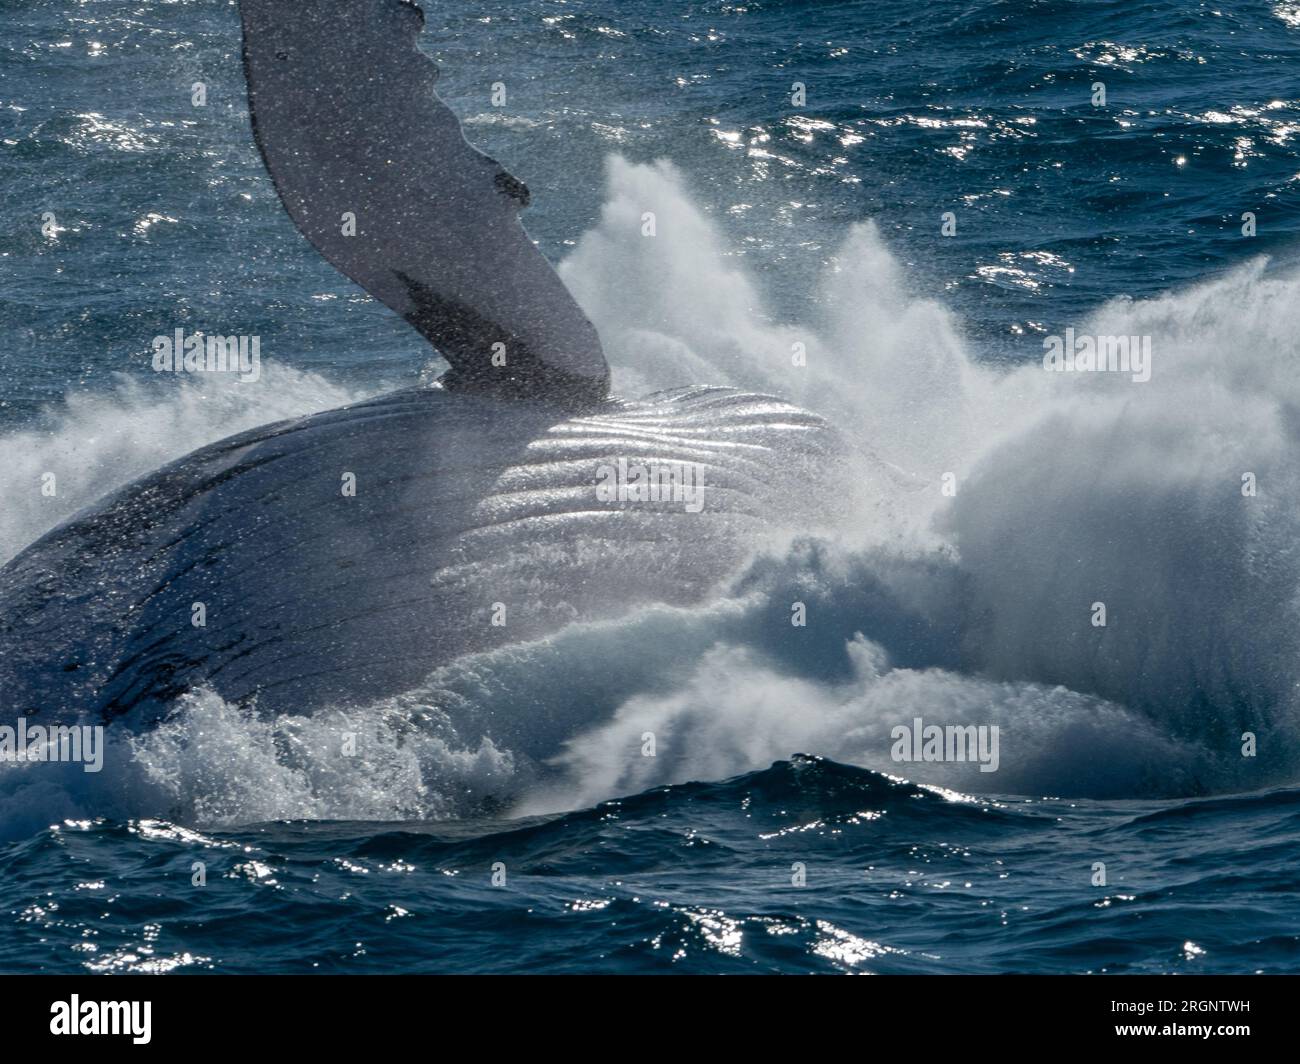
x: 466, y: 511
x: 339, y: 558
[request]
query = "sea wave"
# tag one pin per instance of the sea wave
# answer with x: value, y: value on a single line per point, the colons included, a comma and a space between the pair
x: 973, y: 606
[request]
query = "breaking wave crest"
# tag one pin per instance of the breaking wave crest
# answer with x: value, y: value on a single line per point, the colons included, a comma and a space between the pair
x: 997, y: 508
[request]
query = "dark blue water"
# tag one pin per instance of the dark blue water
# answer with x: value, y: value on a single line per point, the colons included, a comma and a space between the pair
x: 697, y: 877
x: 165, y: 219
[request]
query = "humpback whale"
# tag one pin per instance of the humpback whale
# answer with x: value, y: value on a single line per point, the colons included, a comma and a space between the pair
x: 338, y: 558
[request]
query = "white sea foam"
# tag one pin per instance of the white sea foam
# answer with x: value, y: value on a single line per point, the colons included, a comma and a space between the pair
x: 97, y: 441
x: 1071, y: 489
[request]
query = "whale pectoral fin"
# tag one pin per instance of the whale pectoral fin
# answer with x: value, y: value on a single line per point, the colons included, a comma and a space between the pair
x: 375, y: 171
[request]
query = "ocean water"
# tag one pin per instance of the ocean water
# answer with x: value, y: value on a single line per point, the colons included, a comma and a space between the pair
x: 1123, y: 831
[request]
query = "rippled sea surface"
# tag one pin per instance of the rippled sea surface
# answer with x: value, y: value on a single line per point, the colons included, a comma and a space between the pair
x: 809, y: 866
x: 978, y: 108
x: 1166, y: 861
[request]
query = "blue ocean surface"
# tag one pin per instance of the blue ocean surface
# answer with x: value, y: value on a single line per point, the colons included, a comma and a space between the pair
x: 1144, y: 816
x: 698, y: 877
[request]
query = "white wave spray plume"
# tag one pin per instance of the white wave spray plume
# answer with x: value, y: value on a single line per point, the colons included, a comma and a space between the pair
x: 966, y: 608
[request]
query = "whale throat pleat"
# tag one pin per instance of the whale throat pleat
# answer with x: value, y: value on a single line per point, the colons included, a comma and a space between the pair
x: 342, y: 557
